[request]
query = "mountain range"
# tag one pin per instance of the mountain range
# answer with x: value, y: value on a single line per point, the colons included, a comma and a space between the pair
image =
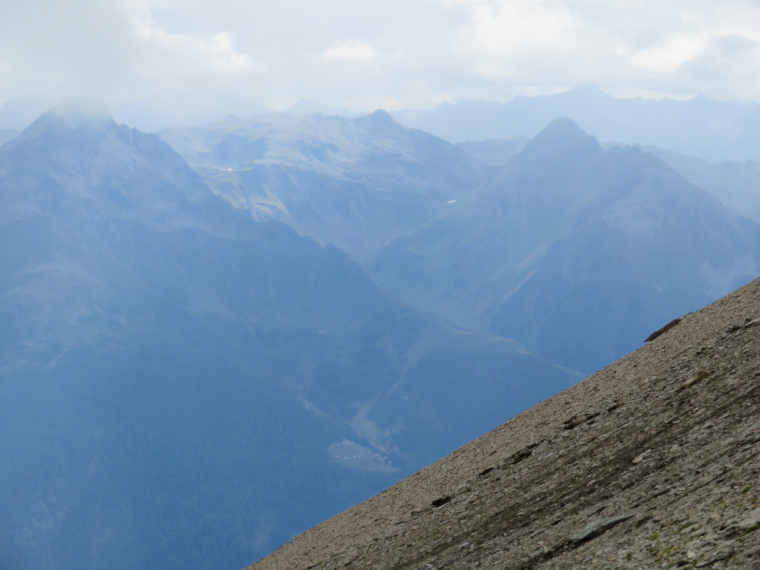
x: 217, y: 337
x: 712, y: 130
x: 356, y: 183
x: 184, y: 386
x: 569, y: 233
x: 510, y: 237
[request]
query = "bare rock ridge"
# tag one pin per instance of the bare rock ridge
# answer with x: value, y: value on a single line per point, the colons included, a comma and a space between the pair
x: 652, y: 462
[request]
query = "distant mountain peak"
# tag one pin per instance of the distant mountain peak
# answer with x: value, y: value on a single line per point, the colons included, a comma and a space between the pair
x: 85, y: 106
x: 588, y: 91
x: 73, y: 113
x: 78, y: 111
x: 579, y: 94
x: 563, y: 124
x: 381, y: 114
x: 379, y: 122
x: 111, y: 166
x: 310, y: 107
x: 561, y: 133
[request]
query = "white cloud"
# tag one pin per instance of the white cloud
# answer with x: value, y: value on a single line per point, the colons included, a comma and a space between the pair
x: 212, y: 51
x: 401, y: 52
x: 517, y: 26
x: 348, y: 50
x: 729, y: 67
x: 669, y: 55
x: 622, y: 45
x: 62, y: 47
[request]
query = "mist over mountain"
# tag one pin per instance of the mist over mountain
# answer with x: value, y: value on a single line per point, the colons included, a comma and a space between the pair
x: 567, y: 242
x: 19, y: 112
x: 712, y: 130
x: 309, y: 107
x: 355, y: 183
x: 735, y: 184
x: 183, y: 386
x: 494, y: 152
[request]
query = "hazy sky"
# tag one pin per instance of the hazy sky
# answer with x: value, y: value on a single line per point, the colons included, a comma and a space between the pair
x: 363, y: 54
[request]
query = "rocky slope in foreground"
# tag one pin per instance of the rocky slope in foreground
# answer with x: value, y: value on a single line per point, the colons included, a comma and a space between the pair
x: 650, y: 463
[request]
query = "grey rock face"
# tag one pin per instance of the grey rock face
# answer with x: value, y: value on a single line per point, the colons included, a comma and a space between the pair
x: 596, y: 528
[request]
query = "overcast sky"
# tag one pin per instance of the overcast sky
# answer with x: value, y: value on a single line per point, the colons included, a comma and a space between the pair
x: 362, y: 54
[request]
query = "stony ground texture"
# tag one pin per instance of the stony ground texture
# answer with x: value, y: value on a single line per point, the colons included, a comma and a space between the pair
x: 652, y: 462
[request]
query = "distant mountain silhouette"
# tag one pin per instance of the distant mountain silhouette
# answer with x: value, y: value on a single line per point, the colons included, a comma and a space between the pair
x: 309, y: 107
x: 712, y: 130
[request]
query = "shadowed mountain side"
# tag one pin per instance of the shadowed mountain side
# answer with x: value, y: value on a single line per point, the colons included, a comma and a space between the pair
x: 355, y: 183
x: 181, y: 386
x: 651, y: 252
x: 497, y: 232
x: 735, y: 184
x: 495, y: 152
x: 567, y: 242
x: 651, y: 462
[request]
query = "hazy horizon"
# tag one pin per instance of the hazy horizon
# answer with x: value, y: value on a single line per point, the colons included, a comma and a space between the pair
x: 200, y: 58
